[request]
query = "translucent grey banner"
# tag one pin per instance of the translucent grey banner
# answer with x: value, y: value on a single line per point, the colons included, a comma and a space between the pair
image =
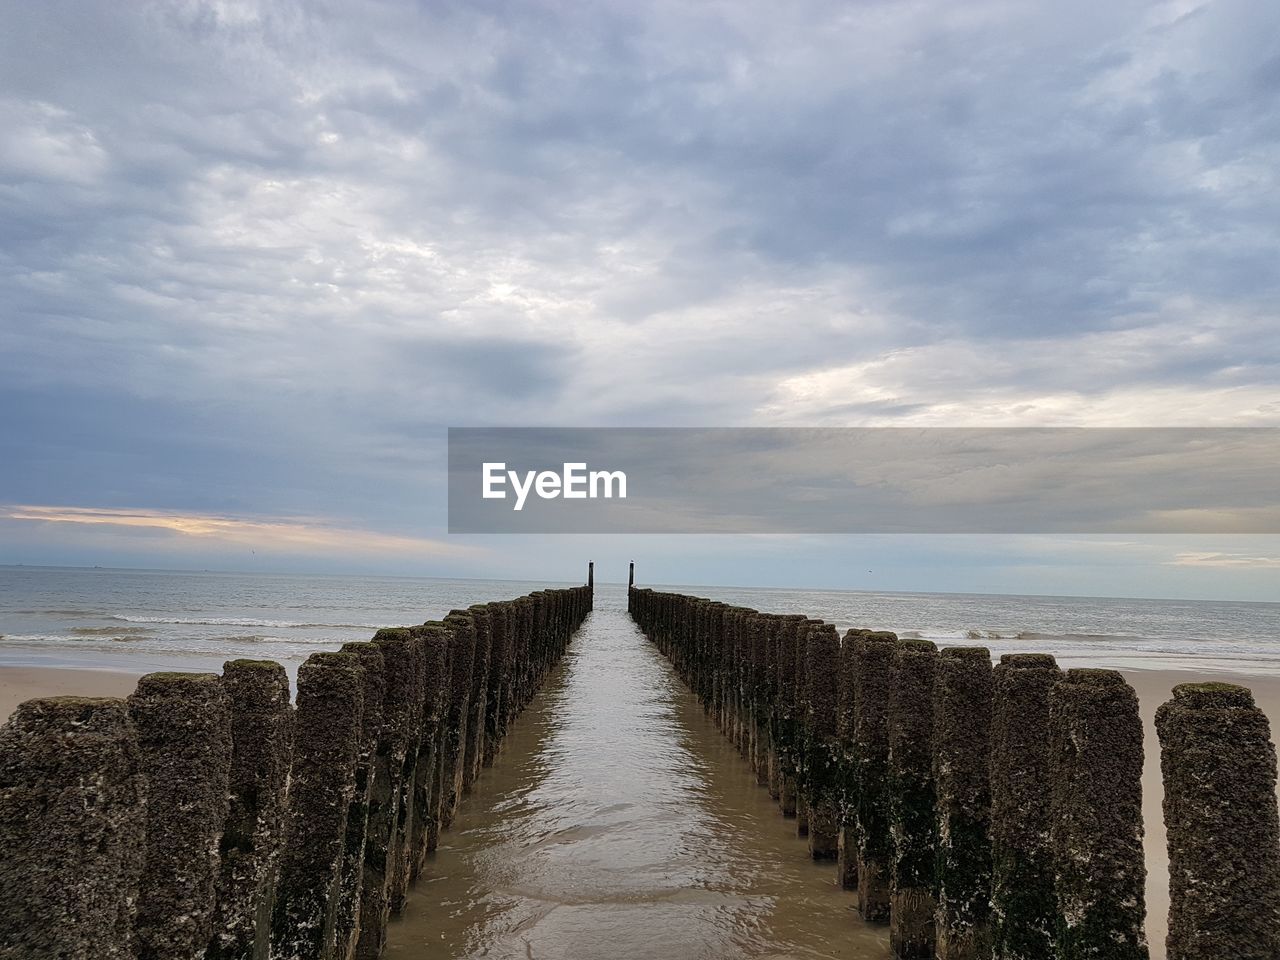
x: 863, y: 480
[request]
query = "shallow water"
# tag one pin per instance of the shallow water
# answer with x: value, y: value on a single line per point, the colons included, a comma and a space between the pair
x: 619, y: 823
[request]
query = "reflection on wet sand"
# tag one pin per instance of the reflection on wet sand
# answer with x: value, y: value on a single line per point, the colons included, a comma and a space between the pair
x: 619, y: 823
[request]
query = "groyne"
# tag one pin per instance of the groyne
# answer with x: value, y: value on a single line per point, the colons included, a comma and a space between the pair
x: 990, y: 813
x: 206, y: 816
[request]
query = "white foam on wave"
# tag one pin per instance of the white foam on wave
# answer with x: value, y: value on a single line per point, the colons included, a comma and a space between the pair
x: 245, y: 622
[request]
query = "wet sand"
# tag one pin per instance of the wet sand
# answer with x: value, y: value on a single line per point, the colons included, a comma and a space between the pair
x: 619, y: 822
x: 26, y: 683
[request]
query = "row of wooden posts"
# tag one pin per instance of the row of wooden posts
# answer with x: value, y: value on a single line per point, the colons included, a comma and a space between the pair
x: 206, y: 817
x: 992, y: 812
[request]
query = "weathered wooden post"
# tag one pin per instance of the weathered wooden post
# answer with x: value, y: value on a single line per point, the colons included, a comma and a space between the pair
x: 262, y: 747
x: 631, y: 574
x: 913, y: 898
x: 351, y: 877
x: 873, y: 681
x: 801, y: 764
x: 846, y: 762
x: 183, y: 726
x: 462, y: 654
x: 758, y: 696
x: 769, y: 722
x: 1219, y: 768
x: 72, y: 829
x: 1024, y: 905
x: 823, y: 652
x: 430, y: 714
x: 385, y: 841
x: 407, y: 826
x: 501, y: 665
x: 789, y: 715
x: 963, y: 694
x: 1100, y: 872
x: 479, y: 697
x: 321, y: 783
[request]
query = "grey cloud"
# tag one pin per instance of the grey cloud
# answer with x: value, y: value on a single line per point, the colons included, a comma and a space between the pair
x: 354, y: 224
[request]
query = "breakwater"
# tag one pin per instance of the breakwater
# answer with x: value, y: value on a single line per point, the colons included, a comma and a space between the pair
x: 990, y: 811
x: 207, y: 816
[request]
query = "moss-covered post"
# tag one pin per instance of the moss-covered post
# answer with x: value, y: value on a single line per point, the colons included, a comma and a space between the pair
x: 262, y: 746
x: 1024, y: 906
x: 913, y: 891
x: 846, y: 762
x: 1100, y: 871
x: 1219, y: 769
x: 517, y: 627
x: 384, y: 843
x: 758, y: 696
x: 407, y: 826
x: 72, y: 829
x: 719, y: 614
x: 482, y: 621
x: 499, y: 668
x: 963, y: 692
x: 823, y: 652
x: 735, y: 664
x: 183, y: 725
x: 351, y: 880
x: 740, y: 659
x: 321, y: 784
x: 873, y: 680
x: 462, y: 656
x: 769, y: 702
x: 430, y: 712
x: 788, y: 712
x: 803, y: 750
x: 693, y: 633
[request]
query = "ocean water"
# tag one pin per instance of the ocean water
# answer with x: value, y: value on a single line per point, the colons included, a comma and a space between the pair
x: 1103, y: 631
x: 99, y: 617
x: 105, y: 617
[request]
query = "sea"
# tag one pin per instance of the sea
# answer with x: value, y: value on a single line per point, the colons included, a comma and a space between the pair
x: 105, y: 618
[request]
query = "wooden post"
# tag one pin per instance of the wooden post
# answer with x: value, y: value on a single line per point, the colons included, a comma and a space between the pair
x: 1100, y: 872
x: 72, y: 830
x: 346, y: 930
x: 1219, y: 768
x: 262, y: 742
x: 321, y: 785
x: 823, y: 652
x: 846, y: 762
x: 1025, y: 909
x: 183, y: 725
x: 873, y: 681
x: 913, y: 897
x: 962, y: 769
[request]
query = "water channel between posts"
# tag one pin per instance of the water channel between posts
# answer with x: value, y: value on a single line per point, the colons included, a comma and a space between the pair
x: 618, y: 822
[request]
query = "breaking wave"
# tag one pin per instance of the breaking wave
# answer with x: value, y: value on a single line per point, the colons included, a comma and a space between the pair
x: 245, y: 622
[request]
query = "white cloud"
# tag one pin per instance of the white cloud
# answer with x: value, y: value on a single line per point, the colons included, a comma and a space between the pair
x: 1229, y: 560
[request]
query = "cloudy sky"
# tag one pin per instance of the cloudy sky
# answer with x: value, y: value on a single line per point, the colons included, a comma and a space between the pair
x: 255, y: 258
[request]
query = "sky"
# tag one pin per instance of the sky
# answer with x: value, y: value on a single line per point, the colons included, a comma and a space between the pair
x: 255, y: 258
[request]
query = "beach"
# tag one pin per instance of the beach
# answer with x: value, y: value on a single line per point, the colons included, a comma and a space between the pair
x: 27, y: 683
x: 18, y: 683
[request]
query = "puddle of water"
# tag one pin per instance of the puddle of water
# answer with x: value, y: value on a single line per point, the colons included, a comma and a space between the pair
x: 619, y: 823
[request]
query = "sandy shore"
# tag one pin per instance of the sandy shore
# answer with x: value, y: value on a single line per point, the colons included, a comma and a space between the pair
x: 25, y: 683
x: 18, y: 683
